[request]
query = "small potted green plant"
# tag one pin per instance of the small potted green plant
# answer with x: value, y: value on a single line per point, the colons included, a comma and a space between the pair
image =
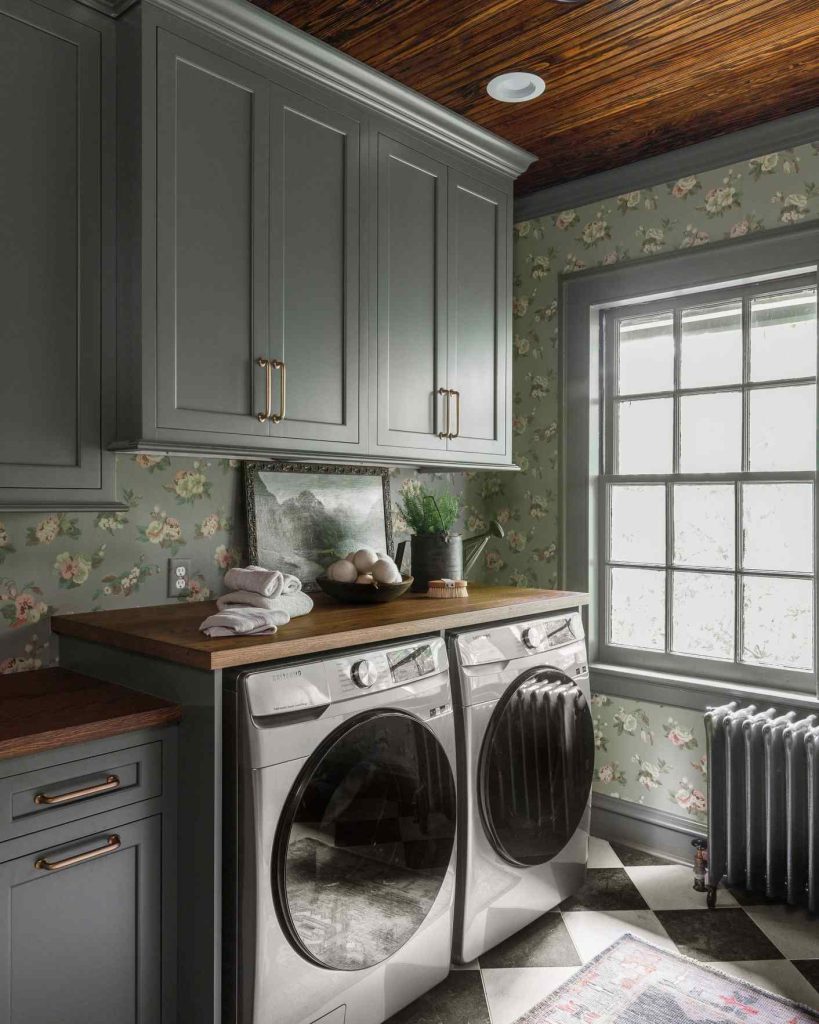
x: 436, y: 552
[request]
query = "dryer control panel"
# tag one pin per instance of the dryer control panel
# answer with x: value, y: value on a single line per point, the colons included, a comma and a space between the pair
x: 518, y: 639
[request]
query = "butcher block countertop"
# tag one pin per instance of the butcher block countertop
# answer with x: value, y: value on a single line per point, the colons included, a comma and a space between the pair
x: 172, y: 632
x: 52, y: 707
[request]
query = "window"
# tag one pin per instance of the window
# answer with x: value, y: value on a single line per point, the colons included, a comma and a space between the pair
x: 707, y: 505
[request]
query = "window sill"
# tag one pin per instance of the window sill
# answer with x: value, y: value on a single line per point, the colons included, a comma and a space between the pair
x: 688, y: 691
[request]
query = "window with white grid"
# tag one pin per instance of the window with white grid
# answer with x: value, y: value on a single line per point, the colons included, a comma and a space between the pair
x: 708, y: 526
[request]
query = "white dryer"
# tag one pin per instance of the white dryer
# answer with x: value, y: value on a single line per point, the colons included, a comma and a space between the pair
x: 525, y: 764
x: 344, y: 815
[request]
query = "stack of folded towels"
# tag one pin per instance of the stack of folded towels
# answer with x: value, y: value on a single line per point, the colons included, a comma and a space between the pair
x: 260, y: 600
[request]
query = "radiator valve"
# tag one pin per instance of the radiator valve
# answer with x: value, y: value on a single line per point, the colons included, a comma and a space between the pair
x: 700, y: 863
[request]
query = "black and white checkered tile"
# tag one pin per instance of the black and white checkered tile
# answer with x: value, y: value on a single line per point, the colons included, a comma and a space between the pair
x: 773, y: 946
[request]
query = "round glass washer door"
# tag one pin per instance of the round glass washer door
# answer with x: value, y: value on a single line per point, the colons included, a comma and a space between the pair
x: 535, y: 768
x: 365, y: 841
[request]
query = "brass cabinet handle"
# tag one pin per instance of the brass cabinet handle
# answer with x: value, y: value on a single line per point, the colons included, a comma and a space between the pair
x: 111, y: 783
x: 457, y: 431
x: 277, y: 364
x: 267, y: 366
x: 445, y: 432
x: 111, y: 845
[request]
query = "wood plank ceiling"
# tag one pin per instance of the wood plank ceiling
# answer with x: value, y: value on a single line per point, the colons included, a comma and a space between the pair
x: 626, y: 79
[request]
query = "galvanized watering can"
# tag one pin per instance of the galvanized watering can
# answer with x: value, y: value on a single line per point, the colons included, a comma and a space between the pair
x: 437, y: 556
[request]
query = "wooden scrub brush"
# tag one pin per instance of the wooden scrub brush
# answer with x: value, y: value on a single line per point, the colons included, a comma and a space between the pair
x: 447, y: 588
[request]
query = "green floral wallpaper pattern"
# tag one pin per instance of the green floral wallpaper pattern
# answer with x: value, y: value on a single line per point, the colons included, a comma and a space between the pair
x: 650, y: 754
x: 645, y: 753
x: 82, y: 561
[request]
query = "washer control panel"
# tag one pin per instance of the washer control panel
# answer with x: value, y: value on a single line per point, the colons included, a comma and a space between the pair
x: 516, y: 639
x: 284, y: 689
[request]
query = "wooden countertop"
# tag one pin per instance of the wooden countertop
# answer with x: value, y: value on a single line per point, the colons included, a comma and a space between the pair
x: 52, y: 707
x: 172, y: 632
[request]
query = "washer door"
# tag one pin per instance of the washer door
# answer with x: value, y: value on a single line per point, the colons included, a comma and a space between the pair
x: 365, y: 841
x: 535, y: 767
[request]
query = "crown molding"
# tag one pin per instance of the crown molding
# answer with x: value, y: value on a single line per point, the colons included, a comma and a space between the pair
x: 249, y: 27
x: 113, y: 8
x: 784, y: 133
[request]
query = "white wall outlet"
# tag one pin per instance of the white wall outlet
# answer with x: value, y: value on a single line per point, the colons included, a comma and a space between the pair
x: 179, y: 574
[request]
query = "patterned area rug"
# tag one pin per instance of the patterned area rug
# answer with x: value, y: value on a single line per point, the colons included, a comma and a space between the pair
x: 633, y: 982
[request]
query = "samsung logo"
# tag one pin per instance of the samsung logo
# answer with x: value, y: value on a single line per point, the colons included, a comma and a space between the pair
x: 293, y: 674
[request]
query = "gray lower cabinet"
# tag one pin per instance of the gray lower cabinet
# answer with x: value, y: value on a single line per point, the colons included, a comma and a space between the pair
x: 56, y: 235
x: 88, y: 883
x: 82, y: 944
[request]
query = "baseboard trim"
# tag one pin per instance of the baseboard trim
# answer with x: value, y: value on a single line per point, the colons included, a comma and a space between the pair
x: 647, y: 827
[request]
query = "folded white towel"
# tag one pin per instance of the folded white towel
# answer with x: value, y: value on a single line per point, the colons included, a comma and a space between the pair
x: 244, y: 622
x: 267, y: 582
x: 293, y: 604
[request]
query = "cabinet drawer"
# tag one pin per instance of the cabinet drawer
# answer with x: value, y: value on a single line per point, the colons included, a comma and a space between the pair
x: 67, y: 792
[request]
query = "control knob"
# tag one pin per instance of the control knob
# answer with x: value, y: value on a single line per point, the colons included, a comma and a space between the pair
x: 534, y: 637
x: 363, y: 674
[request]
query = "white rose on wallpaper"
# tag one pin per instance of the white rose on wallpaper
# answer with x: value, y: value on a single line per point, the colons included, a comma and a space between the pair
x: 649, y: 772
x: 226, y: 557
x: 541, y: 266
x: 520, y: 304
x: 694, y: 236
x: 594, y: 232
x: 493, y: 561
x: 153, y: 463
x: 720, y: 199
x: 521, y: 344
x: 566, y: 219
x: 653, y: 239
x: 745, y: 226
x: 163, y: 530
x: 628, y: 201
x: 49, y: 529
x: 189, y: 485
x: 22, y: 606
x: 611, y: 772
x: 794, y: 208
x: 685, y: 187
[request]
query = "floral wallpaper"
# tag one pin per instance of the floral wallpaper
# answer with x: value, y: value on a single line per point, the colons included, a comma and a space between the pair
x: 650, y: 754
x: 83, y: 561
x: 645, y: 753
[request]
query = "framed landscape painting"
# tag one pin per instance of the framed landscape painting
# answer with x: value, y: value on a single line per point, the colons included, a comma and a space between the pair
x: 301, y: 517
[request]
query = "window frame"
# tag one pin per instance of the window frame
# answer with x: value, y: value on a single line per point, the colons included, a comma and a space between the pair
x: 779, y: 253
x: 668, y: 661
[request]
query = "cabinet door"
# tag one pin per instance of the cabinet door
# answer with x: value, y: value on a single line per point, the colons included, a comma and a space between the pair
x: 314, y: 273
x: 411, y: 317
x: 212, y: 160
x: 82, y: 944
x: 479, y: 333
x: 51, y: 182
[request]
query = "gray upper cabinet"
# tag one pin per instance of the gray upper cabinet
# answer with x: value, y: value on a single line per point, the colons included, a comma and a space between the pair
x: 410, y: 268
x: 56, y: 289
x: 212, y: 199
x: 442, y: 376
x: 311, y: 260
x: 315, y: 170
x: 478, y: 370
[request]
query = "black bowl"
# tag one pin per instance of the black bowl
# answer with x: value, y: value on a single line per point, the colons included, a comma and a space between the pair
x: 364, y: 593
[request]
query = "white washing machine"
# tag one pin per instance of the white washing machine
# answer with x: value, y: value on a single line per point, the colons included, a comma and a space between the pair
x: 342, y: 902
x: 525, y: 764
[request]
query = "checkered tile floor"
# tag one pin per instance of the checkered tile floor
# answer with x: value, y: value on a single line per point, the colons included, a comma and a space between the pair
x: 773, y: 946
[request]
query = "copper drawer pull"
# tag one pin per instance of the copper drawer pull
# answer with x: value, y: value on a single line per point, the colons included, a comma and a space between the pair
x: 277, y: 364
x: 111, y: 845
x: 112, y: 782
x: 267, y: 366
x: 457, y: 430
x: 445, y: 432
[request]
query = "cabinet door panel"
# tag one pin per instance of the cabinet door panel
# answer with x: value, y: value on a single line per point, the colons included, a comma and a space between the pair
x: 478, y: 329
x: 50, y: 224
x: 411, y: 346
x: 314, y: 268
x: 82, y: 945
x: 211, y: 241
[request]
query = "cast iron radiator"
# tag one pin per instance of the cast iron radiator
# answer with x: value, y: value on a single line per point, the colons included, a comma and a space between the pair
x: 763, y: 803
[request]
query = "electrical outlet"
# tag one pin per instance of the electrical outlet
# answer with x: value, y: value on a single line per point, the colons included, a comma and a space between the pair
x: 179, y: 574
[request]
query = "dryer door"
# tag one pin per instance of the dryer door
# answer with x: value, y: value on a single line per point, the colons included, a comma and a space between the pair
x: 535, y: 767
x: 365, y: 840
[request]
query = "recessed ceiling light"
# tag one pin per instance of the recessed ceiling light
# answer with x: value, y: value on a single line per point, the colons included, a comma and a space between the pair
x: 515, y: 86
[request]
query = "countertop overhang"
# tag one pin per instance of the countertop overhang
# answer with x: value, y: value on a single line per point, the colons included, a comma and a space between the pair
x: 171, y: 632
